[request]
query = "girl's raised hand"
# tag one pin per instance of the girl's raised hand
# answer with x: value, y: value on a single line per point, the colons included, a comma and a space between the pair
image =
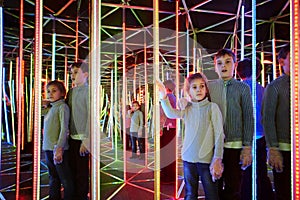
x: 182, y: 103
x: 161, y: 89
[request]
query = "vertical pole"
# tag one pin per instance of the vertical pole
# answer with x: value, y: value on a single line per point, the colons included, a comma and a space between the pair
x: 124, y: 91
x: 115, y: 103
x: 134, y: 80
x: 37, y: 97
x: 274, y: 54
x: 19, y: 100
x: 187, y: 47
x: 29, y: 133
x: 77, y: 31
x: 4, y: 106
x: 243, y: 32
x: 177, y: 92
x: 1, y: 75
x: 12, y: 100
x: 155, y: 100
x: 295, y: 115
x: 254, y: 189
x: 263, y: 71
x: 53, y: 51
x: 146, y: 98
x: 95, y: 58
x: 66, y: 69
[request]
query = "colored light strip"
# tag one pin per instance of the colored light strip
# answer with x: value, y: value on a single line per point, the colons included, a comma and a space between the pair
x: 263, y: 71
x: 30, y: 125
x: 38, y: 35
x: 274, y: 56
x: 146, y: 99
x: 243, y: 33
x: 177, y: 96
x: 19, y: 100
x: 53, y: 56
x: 156, y: 68
x: 12, y: 101
x: 294, y: 56
x: 124, y: 91
x: 5, y: 106
x: 1, y: 75
x: 254, y: 189
x: 95, y: 58
x: 115, y: 104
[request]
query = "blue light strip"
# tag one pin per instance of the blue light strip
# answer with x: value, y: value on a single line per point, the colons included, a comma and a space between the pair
x: 1, y: 61
x: 254, y: 189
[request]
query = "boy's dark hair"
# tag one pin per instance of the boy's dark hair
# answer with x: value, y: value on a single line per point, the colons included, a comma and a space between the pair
x: 244, y: 68
x: 283, y: 52
x: 192, y: 77
x: 223, y: 52
x: 60, y: 86
x: 82, y: 65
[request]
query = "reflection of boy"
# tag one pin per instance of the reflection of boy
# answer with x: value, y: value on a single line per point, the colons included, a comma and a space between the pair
x: 264, y: 187
x: 78, y: 100
x: 276, y: 122
x: 235, y: 103
x: 168, y: 139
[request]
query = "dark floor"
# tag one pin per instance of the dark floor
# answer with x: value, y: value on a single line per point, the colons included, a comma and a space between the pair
x: 139, y: 174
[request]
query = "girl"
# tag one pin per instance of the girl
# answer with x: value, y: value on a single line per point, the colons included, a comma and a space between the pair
x: 55, y: 143
x: 136, y: 129
x: 202, y: 149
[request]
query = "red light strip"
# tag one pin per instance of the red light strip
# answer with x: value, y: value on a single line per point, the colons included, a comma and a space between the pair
x: 37, y: 100
x: 295, y: 99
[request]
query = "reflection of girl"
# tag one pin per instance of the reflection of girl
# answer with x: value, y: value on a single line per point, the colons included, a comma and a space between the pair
x: 202, y: 149
x: 127, y: 128
x: 55, y: 143
x: 136, y: 129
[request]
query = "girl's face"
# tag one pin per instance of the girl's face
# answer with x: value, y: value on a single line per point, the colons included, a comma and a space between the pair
x: 54, y: 93
x: 224, y: 67
x: 78, y: 77
x: 135, y: 107
x: 197, y: 90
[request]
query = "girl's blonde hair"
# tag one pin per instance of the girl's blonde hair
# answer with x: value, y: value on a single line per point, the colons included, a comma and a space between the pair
x: 192, y: 77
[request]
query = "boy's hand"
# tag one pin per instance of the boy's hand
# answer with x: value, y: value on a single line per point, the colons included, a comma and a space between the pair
x: 58, y: 155
x: 83, y: 150
x: 216, y: 169
x: 182, y: 103
x: 275, y: 159
x: 246, y: 157
x: 161, y: 89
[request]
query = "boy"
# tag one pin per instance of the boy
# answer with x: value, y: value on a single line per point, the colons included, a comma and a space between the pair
x: 235, y: 103
x: 78, y: 101
x: 276, y: 112
x: 263, y: 183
